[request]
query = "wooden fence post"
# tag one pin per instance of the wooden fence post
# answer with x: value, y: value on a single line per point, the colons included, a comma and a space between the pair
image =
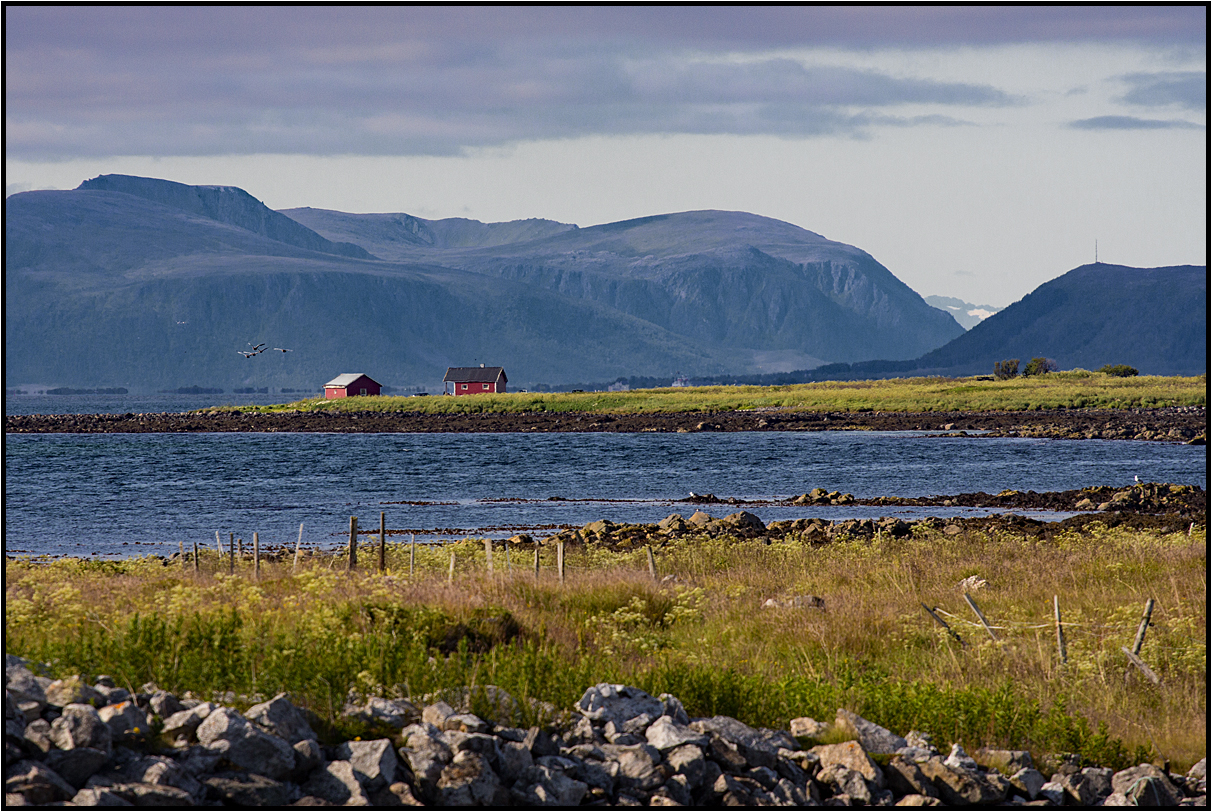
x: 1139, y: 663
x: 412, y: 555
x: 382, y: 541
x: 1140, y: 641
x: 508, y: 565
x: 943, y: 623
x: 560, y: 559
x: 218, y: 546
x: 980, y: 616
x: 353, y: 543
x: 256, y: 556
x: 488, y: 554
x: 450, y: 575
x: 231, y: 553
x: 651, y: 563
x: 240, y: 548
x: 536, y: 561
x: 195, y: 555
x: 184, y: 560
x: 298, y: 544
x: 1060, y: 631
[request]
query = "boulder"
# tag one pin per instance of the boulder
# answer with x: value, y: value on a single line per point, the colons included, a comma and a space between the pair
x: 36, y: 783
x: 904, y: 777
x: 513, y: 760
x: 745, y: 521
x: 1146, y: 785
x: 1007, y: 762
x: 125, y: 721
x: 309, y: 756
x: 185, y: 722
x: 805, y: 727
x: 469, y: 780
x: 163, y: 772
x: 639, y: 767
x: 246, y: 746
x: 396, y: 795
x: 841, y: 780
x: 77, y: 765
x: 25, y: 690
x: 1027, y: 783
x: 249, y: 790
x: 437, y: 714
x: 72, y: 690
x: 397, y: 713
x: 752, y: 744
x: 629, y: 708
x: 336, y: 783
x: 374, y: 762
x: 80, y: 726
x: 665, y: 734
x: 674, y: 709
x: 426, y: 754
x: 164, y: 704
x: 700, y: 519
x: 99, y: 796
x: 673, y: 523
x: 281, y: 718
x: 689, y: 761
x: 851, y: 756
x: 872, y: 737
x: 960, y: 787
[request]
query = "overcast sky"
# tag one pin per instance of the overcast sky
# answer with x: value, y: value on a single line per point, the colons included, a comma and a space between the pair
x: 975, y: 152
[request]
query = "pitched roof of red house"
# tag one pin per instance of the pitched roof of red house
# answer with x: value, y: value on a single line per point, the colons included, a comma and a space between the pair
x: 345, y: 379
x: 474, y: 374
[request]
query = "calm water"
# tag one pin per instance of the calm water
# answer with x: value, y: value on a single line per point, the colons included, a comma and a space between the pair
x: 130, y: 494
x: 135, y: 404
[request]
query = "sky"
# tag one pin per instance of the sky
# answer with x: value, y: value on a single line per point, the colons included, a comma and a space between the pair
x: 976, y: 152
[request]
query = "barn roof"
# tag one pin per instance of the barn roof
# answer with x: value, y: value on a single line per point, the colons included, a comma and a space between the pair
x: 346, y: 378
x: 474, y: 374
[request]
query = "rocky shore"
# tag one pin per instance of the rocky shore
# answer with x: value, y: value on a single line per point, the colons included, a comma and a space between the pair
x: 1180, y: 424
x: 80, y: 742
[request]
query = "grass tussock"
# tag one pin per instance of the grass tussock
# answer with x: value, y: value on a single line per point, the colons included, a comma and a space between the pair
x: 1075, y: 389
x: 321, y: 632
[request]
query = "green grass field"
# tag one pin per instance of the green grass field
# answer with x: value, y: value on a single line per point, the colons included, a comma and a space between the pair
x: 1071, y: 390
x: 321, y: 632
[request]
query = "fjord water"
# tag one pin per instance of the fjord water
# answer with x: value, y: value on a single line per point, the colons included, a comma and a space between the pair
x: 133, y: 494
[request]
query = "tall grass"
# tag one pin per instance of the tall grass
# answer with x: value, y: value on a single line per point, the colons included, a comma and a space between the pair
x: 1070, y: 390
x: 702, y: 636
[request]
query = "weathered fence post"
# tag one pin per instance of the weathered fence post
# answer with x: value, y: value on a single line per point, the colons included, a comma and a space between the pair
x: 943, y: 623
x: 231, y: 553
x: 1060, y: 631
x: 560, y: 559
x: 256, y: 556
x: 651, y: 564
x: 980, y: 616
x: 353, y: 543
x: 298, y: 544
x: 1139, y: 663
x: 195, y: 555
x: 536, y: 561
x: 184, y: 560
x: 1140, y: 641
x: 450, y: 575
x: 508, y: 565
x: 218, y: 546
x: 488, y: 554
x: 382, y: 541
x: 412, y: 555
x: 240, y: 548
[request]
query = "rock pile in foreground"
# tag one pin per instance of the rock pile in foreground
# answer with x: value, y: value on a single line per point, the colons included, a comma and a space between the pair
x: 68, y: 742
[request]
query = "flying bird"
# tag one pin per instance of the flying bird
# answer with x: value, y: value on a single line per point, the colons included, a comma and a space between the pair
x: 281, y: 349
x: 256, y: 350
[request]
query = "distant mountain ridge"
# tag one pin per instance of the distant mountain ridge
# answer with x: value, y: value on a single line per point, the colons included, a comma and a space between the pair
x: 153, y: 284
x: 967, y: 314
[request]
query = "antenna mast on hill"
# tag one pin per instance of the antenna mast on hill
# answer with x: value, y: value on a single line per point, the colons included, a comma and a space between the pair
x: 1096, y: 252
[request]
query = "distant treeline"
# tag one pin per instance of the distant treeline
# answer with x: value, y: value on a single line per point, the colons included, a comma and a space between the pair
x: 66, y: 390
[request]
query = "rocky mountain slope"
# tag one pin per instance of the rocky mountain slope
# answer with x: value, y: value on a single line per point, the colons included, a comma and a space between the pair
x: 153, y: 284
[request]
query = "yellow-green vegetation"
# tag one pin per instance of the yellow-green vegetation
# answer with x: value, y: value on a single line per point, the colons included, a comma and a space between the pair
x: 700, y: 633
x: 1075, y: 389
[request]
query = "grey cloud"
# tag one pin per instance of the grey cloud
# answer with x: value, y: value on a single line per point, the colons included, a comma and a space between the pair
x: 1132, y: 123
x: 407, y: 100
x: 1187, y: 89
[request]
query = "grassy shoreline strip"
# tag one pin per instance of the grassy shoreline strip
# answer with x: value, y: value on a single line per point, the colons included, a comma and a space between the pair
x: 321, y: 632
x: 1076, y: 389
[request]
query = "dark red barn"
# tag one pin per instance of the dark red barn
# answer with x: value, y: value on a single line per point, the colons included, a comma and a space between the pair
x: 351, y: 384
x: 475, y: 380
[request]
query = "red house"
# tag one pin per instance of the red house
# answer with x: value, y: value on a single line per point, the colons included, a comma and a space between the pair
x: 474, y: 380
x: 349, y: 385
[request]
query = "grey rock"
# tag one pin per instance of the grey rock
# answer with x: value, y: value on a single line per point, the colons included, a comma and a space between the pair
x: 629, y: 708
x: 549, y: 785
x: 808, y: 728
x: 1027, y: 782
x: 540, y: 743
x: 281, y: 718
x: 249, y: 790
x: 639, y: 767
x: 904, y: 777
x: 467, y: 723
x: 513, y: 760
x: 426, y: 753
x: 336, y: 783
x: 752, y: 744
x: 125, y: 721
x: 437, y: 714
x: 469, y: 780
x: 961, y: 787
x: 37, y: 783
x: 164, y: 704
x: 308, y: 756
x: 1146, y: 785
x: 673, y: 709
x: 689, y: 761
x: 37, y: 737
x: 80, y: 726
x: 112, y: 694
x: 960, y: 760
x: 198, y: 760
x: 163, y: 772
x: 71, y: 691
x: 666, y: 734
x: 395, y: 796
x: 397, y: 713
x: 616, y: 734
x: 246, y: 746
x: 1096, y: 781
x: 374, y: 762
x: 185, y: 722
x: 154, y: 795
x: 852, y: 756
x: 77, y: 765
x: 841, y: 780
x: 1053, y: 792
x: 26, y: 691
x: 599, y: 774
x: 99, y: 796
x: 676, y: 789
x: 1199, y: 770
x: 1007, y: 762
x: 584, y: 731
x: 872, y: 737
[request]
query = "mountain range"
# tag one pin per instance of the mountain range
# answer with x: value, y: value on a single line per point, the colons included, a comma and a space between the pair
x: 153, y: 284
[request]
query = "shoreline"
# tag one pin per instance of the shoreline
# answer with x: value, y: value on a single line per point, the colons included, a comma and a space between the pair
x: 1176, y: 424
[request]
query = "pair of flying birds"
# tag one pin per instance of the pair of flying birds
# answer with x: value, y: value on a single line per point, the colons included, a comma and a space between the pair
x: 258, y: 349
